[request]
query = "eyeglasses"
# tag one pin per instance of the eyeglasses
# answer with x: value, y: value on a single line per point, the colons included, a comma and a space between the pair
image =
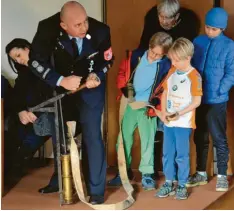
x: 165, y: 18
x: 155, y: 54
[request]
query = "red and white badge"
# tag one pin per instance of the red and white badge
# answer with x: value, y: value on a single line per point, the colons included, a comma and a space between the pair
x: 108, y: 54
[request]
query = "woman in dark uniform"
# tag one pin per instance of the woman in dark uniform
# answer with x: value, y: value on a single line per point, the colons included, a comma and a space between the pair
x: 28, y: 92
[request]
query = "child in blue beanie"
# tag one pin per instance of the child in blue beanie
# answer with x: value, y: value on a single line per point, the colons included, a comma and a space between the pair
x: 214, y: 59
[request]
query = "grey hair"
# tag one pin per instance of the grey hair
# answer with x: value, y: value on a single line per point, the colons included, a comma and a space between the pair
x: 168, y: 7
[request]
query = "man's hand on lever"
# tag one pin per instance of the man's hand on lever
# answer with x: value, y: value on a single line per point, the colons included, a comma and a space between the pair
x: 92, y: 81
x: 71, y: 83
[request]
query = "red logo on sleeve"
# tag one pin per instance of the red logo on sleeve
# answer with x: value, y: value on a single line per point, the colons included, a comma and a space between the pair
x: 108, y: 54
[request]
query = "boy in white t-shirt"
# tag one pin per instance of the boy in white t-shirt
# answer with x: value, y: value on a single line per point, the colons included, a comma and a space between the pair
x: 181, y: 96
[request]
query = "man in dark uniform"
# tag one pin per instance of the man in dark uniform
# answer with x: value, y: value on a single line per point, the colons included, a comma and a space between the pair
x: 79, y: 49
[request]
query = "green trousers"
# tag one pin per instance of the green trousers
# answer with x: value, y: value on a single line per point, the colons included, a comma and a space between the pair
x: 147, y: 128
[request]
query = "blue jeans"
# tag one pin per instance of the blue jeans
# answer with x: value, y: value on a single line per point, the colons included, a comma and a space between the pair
x: 176, y: 147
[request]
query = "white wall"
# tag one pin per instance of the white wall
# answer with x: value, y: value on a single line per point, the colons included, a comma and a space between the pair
x: 20, y: 19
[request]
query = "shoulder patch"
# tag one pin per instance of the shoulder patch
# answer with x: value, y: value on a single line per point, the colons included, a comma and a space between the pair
x: 40, y: 69
x: 35, y: 63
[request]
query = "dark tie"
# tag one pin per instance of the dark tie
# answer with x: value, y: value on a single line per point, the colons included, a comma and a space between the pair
x: 75, y: 48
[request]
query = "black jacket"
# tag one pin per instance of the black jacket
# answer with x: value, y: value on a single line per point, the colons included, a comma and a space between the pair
x: 29, y: 90
x: 188, y: 27
x: 51, y: 55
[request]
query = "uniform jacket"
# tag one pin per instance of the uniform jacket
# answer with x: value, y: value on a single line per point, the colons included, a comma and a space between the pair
x: 214, y: 59
x: 29, y: 90
x: 51, y: 55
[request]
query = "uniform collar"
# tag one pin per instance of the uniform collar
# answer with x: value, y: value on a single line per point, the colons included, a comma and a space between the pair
x: 77, y: 38
x: 63, y: 36
x: 86, y: 44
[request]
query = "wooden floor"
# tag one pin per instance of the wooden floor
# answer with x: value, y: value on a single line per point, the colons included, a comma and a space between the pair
x: 25, y: 196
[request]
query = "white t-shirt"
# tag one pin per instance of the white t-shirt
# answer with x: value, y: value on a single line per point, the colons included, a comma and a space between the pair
x: 180, y: 90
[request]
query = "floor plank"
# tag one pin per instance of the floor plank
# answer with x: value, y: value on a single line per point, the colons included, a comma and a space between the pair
x: 25, y: 196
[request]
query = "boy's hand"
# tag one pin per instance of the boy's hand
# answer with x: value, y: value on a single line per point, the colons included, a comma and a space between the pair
x: 156, y: 111
x: 172, y: 117
x: 164, y: 117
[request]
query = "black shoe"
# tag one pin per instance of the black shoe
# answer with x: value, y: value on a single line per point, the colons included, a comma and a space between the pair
x: 96, y: 199
x: 48, y: 189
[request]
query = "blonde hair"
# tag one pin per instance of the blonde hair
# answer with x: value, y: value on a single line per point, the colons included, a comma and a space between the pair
x: 182, y: 48
x: 161, y: 39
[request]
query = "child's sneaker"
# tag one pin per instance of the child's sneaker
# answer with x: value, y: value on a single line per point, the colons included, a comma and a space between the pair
x: 196, y: 179
x: 181, y: 192
x: 166, y: 190
x: 222, y: 183
x: 148, y: 182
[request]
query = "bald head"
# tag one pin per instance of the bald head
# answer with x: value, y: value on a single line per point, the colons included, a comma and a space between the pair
x: 74, y: 19
x: 70, y: 8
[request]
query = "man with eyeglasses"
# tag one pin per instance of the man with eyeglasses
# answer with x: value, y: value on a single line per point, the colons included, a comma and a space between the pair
x: 141, y: 73
x: 169, y: 17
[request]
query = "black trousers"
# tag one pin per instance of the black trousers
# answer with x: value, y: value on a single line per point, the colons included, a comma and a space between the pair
x: 211, y: 119
x: 158, y: 152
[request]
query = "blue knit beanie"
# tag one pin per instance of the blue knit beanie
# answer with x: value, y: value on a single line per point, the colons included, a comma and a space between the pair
x: 217, y: 17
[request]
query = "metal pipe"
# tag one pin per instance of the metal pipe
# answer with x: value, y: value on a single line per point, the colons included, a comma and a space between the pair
x: 55, y: 98
x: 61, y: 200
x: 64, y: 144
